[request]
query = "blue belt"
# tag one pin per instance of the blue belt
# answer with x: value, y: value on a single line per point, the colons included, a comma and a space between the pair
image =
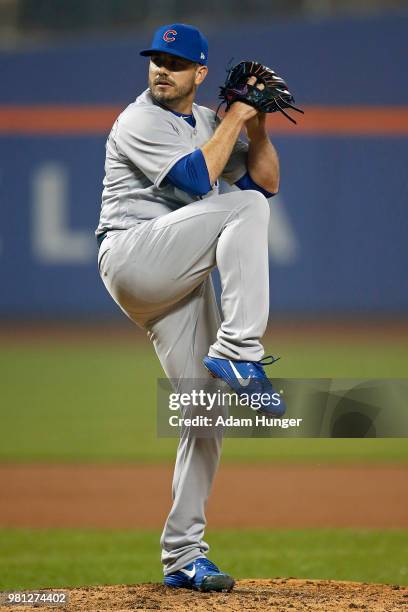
x: 101, y: 238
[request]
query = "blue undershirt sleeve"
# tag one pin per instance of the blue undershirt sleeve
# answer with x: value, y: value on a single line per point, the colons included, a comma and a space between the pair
x: 245, y: 182
x: 190, y: 174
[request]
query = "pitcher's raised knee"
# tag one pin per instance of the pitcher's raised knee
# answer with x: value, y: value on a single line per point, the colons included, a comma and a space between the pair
x: 256, y: 204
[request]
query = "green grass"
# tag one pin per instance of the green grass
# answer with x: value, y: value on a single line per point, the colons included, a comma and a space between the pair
x: 97, y: 402
x: 66, y: 558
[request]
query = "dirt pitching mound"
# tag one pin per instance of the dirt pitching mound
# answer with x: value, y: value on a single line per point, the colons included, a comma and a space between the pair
x: 282, y: 595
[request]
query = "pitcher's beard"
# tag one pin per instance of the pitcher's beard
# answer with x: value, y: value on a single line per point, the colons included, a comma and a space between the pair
x: 175, y: 94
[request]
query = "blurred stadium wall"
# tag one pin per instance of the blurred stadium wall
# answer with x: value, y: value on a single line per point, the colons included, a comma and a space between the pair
x: 338, y: 227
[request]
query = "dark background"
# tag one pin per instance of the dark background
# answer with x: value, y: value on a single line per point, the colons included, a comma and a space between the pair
x: 338, y: 226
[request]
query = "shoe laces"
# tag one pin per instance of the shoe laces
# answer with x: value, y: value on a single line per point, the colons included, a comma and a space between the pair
x: 268, y: 360
x: 207, y: 564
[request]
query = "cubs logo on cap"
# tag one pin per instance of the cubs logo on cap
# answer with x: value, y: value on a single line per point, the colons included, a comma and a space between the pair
x: 181, y: 40
x: 169, y: 35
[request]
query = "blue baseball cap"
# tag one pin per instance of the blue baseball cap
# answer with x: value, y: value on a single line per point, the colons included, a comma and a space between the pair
x: 181, y: 40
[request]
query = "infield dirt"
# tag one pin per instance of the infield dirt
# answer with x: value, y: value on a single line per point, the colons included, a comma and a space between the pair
x: 139, y: 496
x: 280, y: 595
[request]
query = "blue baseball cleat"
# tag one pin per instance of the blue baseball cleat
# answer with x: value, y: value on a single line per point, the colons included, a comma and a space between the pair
x: 248, y: 377
x: 201, y: 575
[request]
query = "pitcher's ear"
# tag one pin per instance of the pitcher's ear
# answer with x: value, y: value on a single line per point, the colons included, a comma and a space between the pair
x: 201, y: 73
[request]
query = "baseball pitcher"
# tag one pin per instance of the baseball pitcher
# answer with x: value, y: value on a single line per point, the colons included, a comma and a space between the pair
x: 164, y: 227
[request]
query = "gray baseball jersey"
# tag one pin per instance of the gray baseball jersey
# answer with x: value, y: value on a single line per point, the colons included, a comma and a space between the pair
x: 156, y: 263
x: 144, y: 144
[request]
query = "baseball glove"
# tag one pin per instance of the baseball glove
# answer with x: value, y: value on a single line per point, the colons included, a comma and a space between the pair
x: 274, y: 96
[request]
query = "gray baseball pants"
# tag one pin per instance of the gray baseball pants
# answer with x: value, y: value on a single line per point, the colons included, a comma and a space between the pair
x: 159, y: 274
